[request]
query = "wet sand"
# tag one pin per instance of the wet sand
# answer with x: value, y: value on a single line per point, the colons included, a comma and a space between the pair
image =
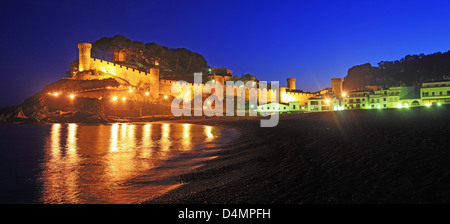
x: 361, y: 156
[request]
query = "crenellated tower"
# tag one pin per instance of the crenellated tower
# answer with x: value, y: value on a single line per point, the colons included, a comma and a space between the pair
x: 84, y: 56
x: 291, y: 83
x: 336, y: 86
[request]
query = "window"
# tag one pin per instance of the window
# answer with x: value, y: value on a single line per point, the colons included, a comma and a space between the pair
x: 432, y: 93
x: 384, y: 105
x: 292, y: 107
x: 364, y: 105
x: 384, y: 99
x: 373, y: 101
x: 363, y: 99
x: 314, y: 102
x: 378, y: 100
x: 285, y: 107
x: 448, y: 93
x: 440, y: 93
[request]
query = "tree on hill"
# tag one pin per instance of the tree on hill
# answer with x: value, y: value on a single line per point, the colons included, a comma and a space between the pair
x: 410, y: 70
x: 177, y: 63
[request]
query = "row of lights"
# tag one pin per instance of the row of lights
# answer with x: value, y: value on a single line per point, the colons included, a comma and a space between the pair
x: 429, y: 104
x: 57, y: 94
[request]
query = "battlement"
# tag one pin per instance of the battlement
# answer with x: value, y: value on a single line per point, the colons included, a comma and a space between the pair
x: 118, y: 66
x: 85, y: 45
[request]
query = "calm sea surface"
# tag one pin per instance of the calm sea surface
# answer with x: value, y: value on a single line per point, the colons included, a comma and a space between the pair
x: 100, y: 163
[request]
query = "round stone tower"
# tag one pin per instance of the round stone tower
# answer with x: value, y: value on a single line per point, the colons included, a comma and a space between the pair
x: 84, y: 56
x: 154, y: 82
x: 336, y: 86
x: 291, y: 83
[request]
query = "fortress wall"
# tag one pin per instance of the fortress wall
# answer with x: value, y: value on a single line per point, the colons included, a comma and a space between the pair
x: 301, y: 97
x: 134, y: 77
x: 165, y: 87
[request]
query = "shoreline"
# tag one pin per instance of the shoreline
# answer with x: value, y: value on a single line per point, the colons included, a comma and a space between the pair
x: 391, y: 156
x: 360, y: 156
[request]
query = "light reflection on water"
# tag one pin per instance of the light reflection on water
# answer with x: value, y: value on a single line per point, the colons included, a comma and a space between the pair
x: 98, y: 163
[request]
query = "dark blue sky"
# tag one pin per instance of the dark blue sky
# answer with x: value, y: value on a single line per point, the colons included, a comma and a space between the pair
x: 312, y: 41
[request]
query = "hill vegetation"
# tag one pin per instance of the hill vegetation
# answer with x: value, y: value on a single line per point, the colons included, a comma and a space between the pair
x: 179, y: 63
x: 410, y: 70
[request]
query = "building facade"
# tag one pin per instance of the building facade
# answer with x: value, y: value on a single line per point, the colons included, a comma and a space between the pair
x: 435, y: 93
x: 282, y: 108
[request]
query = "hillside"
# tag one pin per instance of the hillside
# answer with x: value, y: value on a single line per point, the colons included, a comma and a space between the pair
x: 179, y: 63
x: 410, y: 70
x: 91, y: 103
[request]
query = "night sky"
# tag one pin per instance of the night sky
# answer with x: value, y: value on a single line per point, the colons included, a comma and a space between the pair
x: 312, y: 41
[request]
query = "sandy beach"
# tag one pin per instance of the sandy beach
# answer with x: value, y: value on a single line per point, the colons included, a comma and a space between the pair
x: 361, y: 156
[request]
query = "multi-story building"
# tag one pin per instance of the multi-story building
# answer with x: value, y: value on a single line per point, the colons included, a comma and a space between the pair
x: 430, y: 93
x: 325, y: 103
x: 435, y: 93
x: 281, y: 108
x: 410, y: 96
x: 385, y: 98
x: 357, y: 99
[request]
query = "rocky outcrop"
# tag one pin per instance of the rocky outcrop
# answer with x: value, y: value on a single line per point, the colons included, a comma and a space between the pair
x: 39, y: 108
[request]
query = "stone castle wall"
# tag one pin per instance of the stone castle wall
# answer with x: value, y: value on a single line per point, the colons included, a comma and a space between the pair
x: 287, y: 96
x: 166, y: 86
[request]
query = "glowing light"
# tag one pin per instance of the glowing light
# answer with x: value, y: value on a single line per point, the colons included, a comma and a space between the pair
x: 427, y: 104
x: 114, y: 98
x: 165, y: 142
x: 72, y: 137
x: 165, y: 97
x: 147, y: 140
x: 72, y: 96
x: 166, y: 130
x: 186, y: 130
x: 378, y: 106
x: 399, y: 105
x: 130, y: 90
x: 344, y: 94
x: 209, y: 102
x: 406, y: 105
x: 55, y: 94
x: 208, y: 132
x: 55, y: 138
x: 327, y: 101
x: 124, y: 98
x: 439, y: 104
x: 114, y: 138
x: 286, y: 97
x: 147, y: 93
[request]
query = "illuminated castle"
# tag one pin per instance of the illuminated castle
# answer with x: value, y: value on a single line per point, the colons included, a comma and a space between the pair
x: 148, y: 81
x: 155, y: 88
